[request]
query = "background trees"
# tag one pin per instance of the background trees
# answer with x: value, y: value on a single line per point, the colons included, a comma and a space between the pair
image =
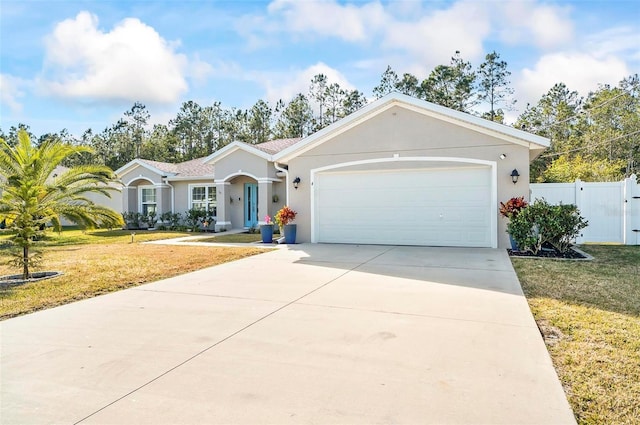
x: 593, y: 137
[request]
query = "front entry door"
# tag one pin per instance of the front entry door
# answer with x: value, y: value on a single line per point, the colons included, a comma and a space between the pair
x: 250, y: 205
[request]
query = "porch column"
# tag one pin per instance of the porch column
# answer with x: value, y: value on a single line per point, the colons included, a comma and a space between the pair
x: 265, y: 192
x: 158, y: 199
x: 223, y: 207
x: 130, y: 199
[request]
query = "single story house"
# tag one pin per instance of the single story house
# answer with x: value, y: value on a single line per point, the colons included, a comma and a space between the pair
x: 398, y: 171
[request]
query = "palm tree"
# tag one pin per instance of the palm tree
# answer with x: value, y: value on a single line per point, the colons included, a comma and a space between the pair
x: 30, y: 198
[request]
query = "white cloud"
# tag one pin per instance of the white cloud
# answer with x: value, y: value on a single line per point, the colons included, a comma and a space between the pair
x: 131, y: 62
x: 543, y: 25
x: 434, y: 38
x: 579, y: 71
x: 329, y: 18
x: 10, y: 92
x: 615, y: 41
x: 287, y: 85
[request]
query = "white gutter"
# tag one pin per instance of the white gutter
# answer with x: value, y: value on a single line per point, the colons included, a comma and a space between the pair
x: 173, y: 197
x: 286, y: 180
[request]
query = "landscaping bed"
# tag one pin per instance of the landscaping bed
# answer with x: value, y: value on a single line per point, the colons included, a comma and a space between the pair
x: 549, y: 251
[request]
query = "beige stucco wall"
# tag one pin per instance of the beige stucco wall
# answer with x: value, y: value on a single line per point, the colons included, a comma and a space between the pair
x: 141, y: 173
x: 241, y: 162
x: 181, y: 193
x: 405, y: 133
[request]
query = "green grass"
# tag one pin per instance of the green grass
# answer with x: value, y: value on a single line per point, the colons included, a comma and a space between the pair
x: 106, y: 262
x: 233, y: 238
x: 589, y: 313
x: 75, y: 236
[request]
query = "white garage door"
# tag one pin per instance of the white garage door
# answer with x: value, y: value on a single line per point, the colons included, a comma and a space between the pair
x: 436, y: 207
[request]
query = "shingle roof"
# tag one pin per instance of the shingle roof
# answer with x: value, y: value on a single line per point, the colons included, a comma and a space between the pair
x: 193, y: 168
x: 198, y: 168
x: 274, y: 146
x: 162, y: 166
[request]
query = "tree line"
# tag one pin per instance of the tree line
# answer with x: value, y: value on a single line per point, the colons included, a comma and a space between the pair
x: 594, y: 138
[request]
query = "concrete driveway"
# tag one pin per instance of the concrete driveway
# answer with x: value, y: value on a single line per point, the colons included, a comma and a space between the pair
x: 307, y: 334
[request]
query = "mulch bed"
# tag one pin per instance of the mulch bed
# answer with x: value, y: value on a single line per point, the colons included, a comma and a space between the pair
x: 549, y: 251
x: 16, y: 279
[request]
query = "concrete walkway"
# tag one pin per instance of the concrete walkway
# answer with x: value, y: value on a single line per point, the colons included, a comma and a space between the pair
x: 309, y: 334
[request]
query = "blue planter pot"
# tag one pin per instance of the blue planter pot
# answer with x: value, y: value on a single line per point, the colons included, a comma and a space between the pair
x: 290, y: 233
x: 514, y: 244
x: 266, y: 231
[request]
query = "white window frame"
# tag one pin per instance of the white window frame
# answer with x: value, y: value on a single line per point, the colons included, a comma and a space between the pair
x: 141, y: 204
x: 208, y: 189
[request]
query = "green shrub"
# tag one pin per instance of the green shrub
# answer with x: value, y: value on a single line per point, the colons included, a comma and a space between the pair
x: 541, y: 223
x: 194, y: 217
x: 170, y: 219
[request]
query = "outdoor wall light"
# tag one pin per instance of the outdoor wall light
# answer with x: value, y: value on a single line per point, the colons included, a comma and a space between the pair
x: 514, y: 176
x: 503, y: 155
x: 296, y: 182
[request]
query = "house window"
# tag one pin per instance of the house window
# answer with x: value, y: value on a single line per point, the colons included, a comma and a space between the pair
x: 148, y: 200
x: 204, y: 198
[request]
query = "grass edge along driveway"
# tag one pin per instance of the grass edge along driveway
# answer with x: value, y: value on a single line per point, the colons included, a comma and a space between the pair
x: 105, y: 261
x: 589, y: 314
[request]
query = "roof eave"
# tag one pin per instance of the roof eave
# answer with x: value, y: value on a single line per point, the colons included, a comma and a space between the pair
x: 234, y: 146
x: 131, y: 165
x: 182, y: 178
x: 481, y: 125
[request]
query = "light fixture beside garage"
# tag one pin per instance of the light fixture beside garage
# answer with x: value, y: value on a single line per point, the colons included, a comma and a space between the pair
x: 514, y: 176
x: 503, y: 155
x: 296, y: 182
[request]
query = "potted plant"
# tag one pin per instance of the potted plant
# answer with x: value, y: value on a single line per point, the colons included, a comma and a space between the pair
x: 284, y: 217
x: 266, y: 230
x: 510, y: 210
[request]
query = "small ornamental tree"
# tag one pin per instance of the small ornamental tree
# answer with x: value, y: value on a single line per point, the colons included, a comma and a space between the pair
x: 32, y: 197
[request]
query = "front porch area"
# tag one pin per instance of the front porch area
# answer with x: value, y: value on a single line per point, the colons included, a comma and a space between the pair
x: 244, y: 201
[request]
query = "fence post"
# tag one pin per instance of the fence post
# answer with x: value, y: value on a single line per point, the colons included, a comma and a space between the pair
x: 578, y: 197
x: 631, y: 211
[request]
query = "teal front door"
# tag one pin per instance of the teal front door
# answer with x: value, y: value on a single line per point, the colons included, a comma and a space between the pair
x: 250, y: 205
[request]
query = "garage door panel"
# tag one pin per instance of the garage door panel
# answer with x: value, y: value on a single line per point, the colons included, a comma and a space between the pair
x: 427, y: 207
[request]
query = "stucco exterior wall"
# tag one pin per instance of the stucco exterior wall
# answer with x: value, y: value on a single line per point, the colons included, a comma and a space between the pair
x: 140, y: 173
x: 181, y: 193
x: 241, y: 162
x: 405, y: 133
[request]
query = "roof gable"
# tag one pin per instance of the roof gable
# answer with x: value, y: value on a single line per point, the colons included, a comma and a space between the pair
x: 373, y: 109
x: 234, y: 146
x: 192, y: 168
x: 149, y: 165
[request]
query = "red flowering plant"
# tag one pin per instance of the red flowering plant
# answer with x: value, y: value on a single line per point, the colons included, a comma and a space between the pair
x: 512, y: 207
x: 285, y: 216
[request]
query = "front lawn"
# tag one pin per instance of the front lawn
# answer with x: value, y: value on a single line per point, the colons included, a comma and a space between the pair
x: 102, y: 262
x: 233, y: 238
x: 75, y: 236
x: 589, y: 313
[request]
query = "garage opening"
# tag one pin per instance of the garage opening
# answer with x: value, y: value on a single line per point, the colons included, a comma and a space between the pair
x: 447, y: 206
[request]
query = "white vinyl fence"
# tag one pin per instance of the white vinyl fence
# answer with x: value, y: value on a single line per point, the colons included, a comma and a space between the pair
x: 612, y: 209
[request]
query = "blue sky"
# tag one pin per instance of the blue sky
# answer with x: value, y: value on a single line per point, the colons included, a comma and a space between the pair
x: 81, y: 64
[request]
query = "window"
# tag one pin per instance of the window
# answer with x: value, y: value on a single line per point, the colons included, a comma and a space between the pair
x: 204, y: 198
x: 148, y: 200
